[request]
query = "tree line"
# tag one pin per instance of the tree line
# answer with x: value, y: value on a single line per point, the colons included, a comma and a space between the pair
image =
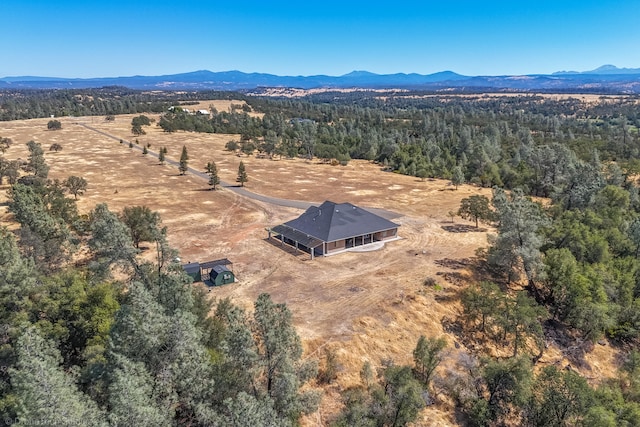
x: 106, y: 101
x: 528, y: 142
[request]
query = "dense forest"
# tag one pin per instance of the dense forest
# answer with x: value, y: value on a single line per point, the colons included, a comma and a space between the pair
x: 562, y: 268
x: 31, y: 104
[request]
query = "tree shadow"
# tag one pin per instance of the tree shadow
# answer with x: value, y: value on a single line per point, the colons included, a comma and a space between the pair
x: 574, y: 348
x: 462, y: 228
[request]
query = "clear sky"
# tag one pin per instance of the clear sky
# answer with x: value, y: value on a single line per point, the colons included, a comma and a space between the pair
x: 109, y: 38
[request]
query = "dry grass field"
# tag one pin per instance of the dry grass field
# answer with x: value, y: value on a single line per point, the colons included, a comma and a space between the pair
x: 365, y: 306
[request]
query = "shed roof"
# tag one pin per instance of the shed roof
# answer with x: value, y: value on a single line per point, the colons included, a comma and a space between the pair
x: 211, y: 264
x: 221, y: 269
x: 191, y: 268
x: 336, y: 221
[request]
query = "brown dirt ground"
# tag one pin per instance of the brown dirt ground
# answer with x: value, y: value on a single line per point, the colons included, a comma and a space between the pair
x: 365, y: 306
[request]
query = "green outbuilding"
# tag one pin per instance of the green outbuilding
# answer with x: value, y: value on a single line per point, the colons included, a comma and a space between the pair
x: 193, y: 269
x: 212, y: 273
x: 221, y: 275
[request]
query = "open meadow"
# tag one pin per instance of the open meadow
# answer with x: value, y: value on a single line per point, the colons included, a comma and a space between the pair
x: 364, y: 306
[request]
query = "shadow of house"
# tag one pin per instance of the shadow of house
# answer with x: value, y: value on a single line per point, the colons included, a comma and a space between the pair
x: 333, y: 228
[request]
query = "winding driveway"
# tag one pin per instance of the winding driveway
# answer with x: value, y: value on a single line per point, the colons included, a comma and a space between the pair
x: 297, y: 204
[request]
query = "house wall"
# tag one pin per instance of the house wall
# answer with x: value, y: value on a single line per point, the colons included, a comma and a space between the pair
x: 335, y: 246
x: 219, y: 280
x: 195, y: 276
x: 386, y: 234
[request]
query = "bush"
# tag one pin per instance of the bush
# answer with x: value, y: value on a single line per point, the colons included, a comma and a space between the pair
x: 430, y: 281
x: 232, y: 146
x: 54, y: 125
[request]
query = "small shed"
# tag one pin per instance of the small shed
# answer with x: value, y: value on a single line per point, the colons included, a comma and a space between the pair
x: 221, y: 275
x: 193, y: 269
x: 218, y: 272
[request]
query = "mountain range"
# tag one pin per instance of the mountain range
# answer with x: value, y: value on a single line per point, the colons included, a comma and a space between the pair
x: 605, y: 79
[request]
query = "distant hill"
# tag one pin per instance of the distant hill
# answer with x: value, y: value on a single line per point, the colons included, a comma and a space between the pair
x: 604, y: 70
x: 605, y: 79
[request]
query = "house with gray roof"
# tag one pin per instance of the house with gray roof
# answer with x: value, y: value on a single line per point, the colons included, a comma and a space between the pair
x: 334, y: 227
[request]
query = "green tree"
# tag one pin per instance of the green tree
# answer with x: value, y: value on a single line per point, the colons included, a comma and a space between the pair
x: 242, y: 174
x: 142, y: 223
x: 394, y: 400
x: 247, y: 147
x: 232, y: 145
x: 522, y: 321
x: 633, y: 232
x: 280, y: 350
x: 41, y: 212
x: 137, y: 123
x: 9, y: 169
x: 481, y: 303
x: 558, y: 399
x: 508, y: 387
x: 18, y: 278
x: 475, y: 208
x: 457, y: 177
x: 212, y: 170
x: 184, y: 161
x: 76, y: 185
x: 400, y: 397
x: 46, y: 394
x: 36, y: 162
x: 54, y: 125
x: 427, y: 356
x: 575, y: 294
x: 245, y: 410
x: 111, y: 241
x: 5, y: 143
x: 519, y: 239
x: 132, y: 398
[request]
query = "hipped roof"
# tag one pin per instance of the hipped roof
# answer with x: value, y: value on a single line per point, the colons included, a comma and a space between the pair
x: 336, y: 221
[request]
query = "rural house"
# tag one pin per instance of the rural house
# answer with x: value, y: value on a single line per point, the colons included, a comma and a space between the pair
x: 334, y: 227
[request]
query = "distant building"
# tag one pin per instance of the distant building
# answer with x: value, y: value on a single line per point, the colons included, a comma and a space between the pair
x: 300, y: 120
x: 334, y: 227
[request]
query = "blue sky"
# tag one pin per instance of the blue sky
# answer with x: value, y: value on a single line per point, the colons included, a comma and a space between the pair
x: 111, y: 38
